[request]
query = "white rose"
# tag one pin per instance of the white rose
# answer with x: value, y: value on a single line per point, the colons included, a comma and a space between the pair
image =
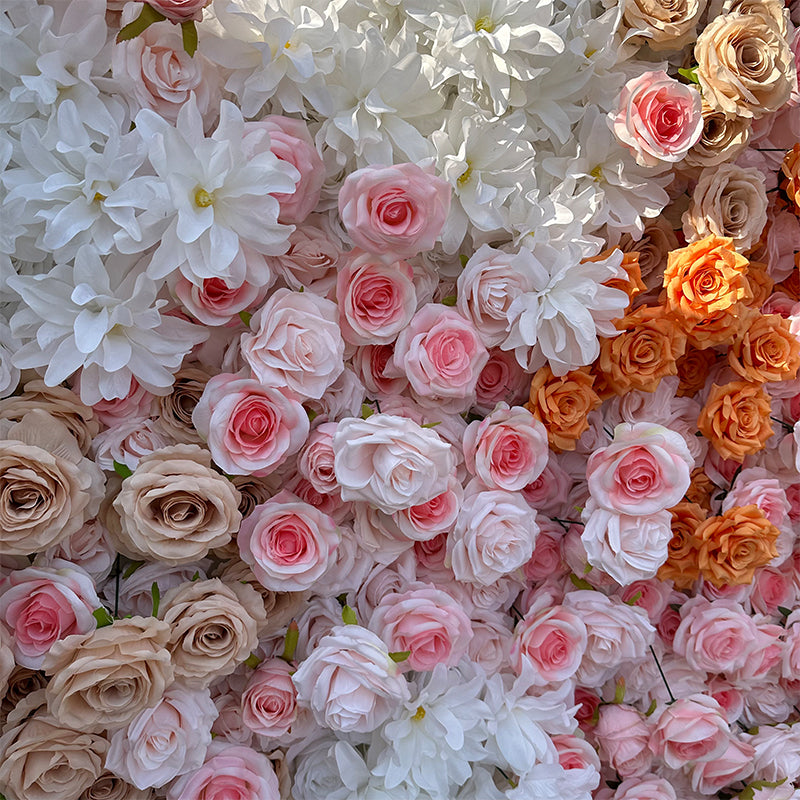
x: 390, y: 462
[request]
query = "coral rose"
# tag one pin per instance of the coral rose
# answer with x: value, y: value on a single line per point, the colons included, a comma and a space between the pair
x: 766, y: 350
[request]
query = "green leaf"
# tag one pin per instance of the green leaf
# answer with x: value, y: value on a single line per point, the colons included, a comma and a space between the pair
x: 689, y: 74
x: 463, y: 259
x: 122, y: 470
x: 587, y: 569
x: 651, y: 708
x: 312, y: 415
x: 749, y: 792
x: 155, y: 593
x: 349, y: 616
x: 290, y: 643
x: 431, y: 424
x: 131, y: 569
x: 103, y: 617
x: 366, y: 411
x: 252, y: 661
x: 634, y: 599
x: 400, y: 656
x: 580, y: 583
x: 189, y: 32
x: 196, y: 577
x: 450, y: 300
x: 619, y: 692
x: 245, y: 316
x: 133, y: 29
x: 784, y: 611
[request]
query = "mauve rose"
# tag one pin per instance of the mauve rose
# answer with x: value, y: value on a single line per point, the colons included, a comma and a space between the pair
x: 250, y: 429
x: 350, y: 682
x: 548, y: 492
x: 230, y: 772
x: 394, y: 212
x: 376, y: 300
x: 178, y: 11
x: 269, y: 701
x: 288, y: 544
x: 502, y: 379
x: 216, y: 302
x: 623, y: 734
x: 44, y: 604
x: 657, y: 118
x: 425, y: 621
x: 645, y: 469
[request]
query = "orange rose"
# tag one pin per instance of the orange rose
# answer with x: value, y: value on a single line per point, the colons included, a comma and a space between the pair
x: 632, y: 285
x: 720, y: 328
x: 693, y: 368
x: 645, y: 352
x: 562, y: 405
x: 766, y: 350
x: 705, y: 278
x: 791, y: 285
x: 791, y: 169
x: 735, y: 419
x: 700, y: 489
x: 760, y: 284
x: 681, y: 564
x: 734, y: 545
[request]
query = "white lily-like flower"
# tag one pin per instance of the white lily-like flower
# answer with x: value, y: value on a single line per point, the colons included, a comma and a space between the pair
x: 103, y: 319
x: 215, y: 197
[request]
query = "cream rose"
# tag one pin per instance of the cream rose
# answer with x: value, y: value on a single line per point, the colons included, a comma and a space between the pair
x: 667, y: 24
x: 175, y: 508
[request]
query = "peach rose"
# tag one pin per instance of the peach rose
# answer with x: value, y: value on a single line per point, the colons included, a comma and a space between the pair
x: 666, y: 24
x: 693, y: 369
x: 766, y: 350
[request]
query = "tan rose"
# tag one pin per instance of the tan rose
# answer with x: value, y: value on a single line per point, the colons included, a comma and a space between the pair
x: 668, y: 24
x: 63, y: 404
x: 47, y: 488
x: 110, y: 787
x: 722, y: 140
x: 744, y: 65
x: 6, y: 659
x: 175, y: 508
x: 728, y: 201
x: 653, y: 247
x: 103, y: 679
x: 42, y: 760
x: 175, y: 409
x: 22, y: 682
x: 214, y: 628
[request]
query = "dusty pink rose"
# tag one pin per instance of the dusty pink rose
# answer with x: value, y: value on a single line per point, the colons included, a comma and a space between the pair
x: 773, y: 588
x: 287, y: 543
x: 645, y: 469
x: 313, y: 255
x: 652, y: 595
x: 394, y: 212
x: 658, y: 118
x: 547, y: 494
x: 136, y: 403
x: 126, y: 442
x: 89, y: 548
x: 269, y: 702
x: 425, y: 621
x: 215, y: 302
x: 442, y: 356
x: 431, y: 554
x: 502, y: 379
x: 623, y: 735
x: 230, y: 772
x: 370, y: 364
x: 691, y: 729
x: 315, y: 463
x: 546, y: 560
x: 44, y: 604
x: 180, y: 10
x: 295, y: 342
x: 250, y: 429
x: 376, y: 300
x: 755, y: 486
x: 507, y: 449
x: 291, y: 142
x: 438, y: 515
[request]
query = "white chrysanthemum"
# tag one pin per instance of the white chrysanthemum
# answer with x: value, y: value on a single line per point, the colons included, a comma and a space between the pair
x: 488, y: 44
x: 560, y: 319
x: 432, y: 743
x: 284, y: 49
x: 214, y: 198
x: 552, y: 782
x: 9, y: 374
x: 67, y: 182
x: 103, y: 318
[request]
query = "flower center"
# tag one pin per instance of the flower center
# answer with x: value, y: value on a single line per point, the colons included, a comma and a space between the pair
x: 597, y: 173
x: 465, y: 175
x: 98, y: 198
x: 484, y: 24
x: 203, y: 199
x: 419, y: 715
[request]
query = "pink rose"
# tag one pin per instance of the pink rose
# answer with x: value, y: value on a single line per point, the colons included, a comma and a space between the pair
x: 548, y: 493
x: 230, y: 772
x: 491, y: 640
x: 431, y: 554
x: 735, y: 764
x: 623, y: 734
x: 350, y: 682
x: 296, y: 342
x: 287, y: 543
x: 180, y: 10
x: 269, y: 702
x: 438, y: 515
x: 291, y: 142
x: 89, y: 548
x: 394, y: 212
x: 552, y: 640
x: 652, y: 595
x: 425, y: 621
x: 546, y: 560
x: 690, y: 729
x: 215, y: 302
x: 315, y: 463
x: 42, y: 605
x: 136, y: 403
x: 728, y: 696
x: 250, y: 429
x: 773, y: 588
x: 128, y: 441
x: 507, y: 449
x: 376, y: 300
x: 370, y: 364
x: 645, y: 469
x: 755, y: 486
x: 502, y: 379
x: 657, y: 118
x: 442, y: 356
x: 648, y: 787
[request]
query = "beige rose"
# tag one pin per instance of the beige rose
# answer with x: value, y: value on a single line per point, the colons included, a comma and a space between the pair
x: 175, y: 409
x: 728, y: 201
x: 6, y: 659
x: 103, y: 679
x: 47, y: 488
x: 214, y: 628
x: 774, y: 11
x: 653, y: 246
x: 42, y: 760
x: 723, y: 138
x: 175, y: 508
x: 668, y: 24
x: 22, y: 682
x: 63, y: 404
x: 744, y: 65
x: 110, y: 787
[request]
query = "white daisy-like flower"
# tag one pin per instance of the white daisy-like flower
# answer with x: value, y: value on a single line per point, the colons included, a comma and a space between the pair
x: 103, y: 319
x: 552, y: 782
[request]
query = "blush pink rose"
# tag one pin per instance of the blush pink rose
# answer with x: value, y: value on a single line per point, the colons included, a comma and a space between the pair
x: 431, y: 554
x: 376, y: 300
x: 546, y: 560
x: 394, y: 212
x: 42, y: 605
x: 773, y: 588
x: 438, y: 515
x: 291, y: 142
x: 287, y: 543
x: 651, y: 595
x: 178, y: 11
x: 657, y: 118
x: 250, y: 429
x: 755, y: 486
x: 215, y: 302
x: 502, y: 379
x: 548, y: 493
x: 269, y: 702
x: 623, y: 734
x: 89, y: 548
x: 507, y: 449
x: 645, y: 469
x: 735, y: 764
x: 370, y: 364
x: 648, y: 787
x: 426, y: 622
x: 442, y: 356
x: 136, y: 403
x: 230, y: 772
x: 315, y: 463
